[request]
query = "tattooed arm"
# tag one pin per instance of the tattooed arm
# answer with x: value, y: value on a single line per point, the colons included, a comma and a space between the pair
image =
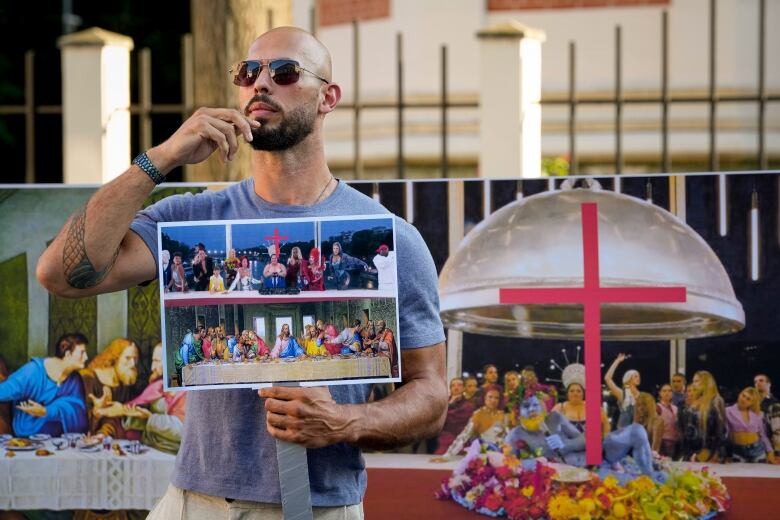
x: 95, y: 252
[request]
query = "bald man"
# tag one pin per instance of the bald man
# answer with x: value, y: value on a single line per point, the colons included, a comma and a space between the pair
x: 285, y: 90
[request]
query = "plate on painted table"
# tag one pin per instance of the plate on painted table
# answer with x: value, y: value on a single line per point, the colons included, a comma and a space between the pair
x: 40, y: 437
x: 19, y: 444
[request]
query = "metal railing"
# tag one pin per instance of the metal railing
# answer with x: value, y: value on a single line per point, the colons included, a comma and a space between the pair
x: 145, y: 109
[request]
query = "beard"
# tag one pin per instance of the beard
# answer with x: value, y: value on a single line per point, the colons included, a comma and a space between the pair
x: 293, y: 128
x: 127, y: 376
x: 532, y: 424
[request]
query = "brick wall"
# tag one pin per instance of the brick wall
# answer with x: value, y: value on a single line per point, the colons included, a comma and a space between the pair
x: 514, y: 5
x: 335, y: 12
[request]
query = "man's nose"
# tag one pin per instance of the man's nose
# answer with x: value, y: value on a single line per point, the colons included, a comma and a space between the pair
x: 264, y: 83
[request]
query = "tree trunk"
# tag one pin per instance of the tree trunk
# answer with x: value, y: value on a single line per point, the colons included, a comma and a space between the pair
x: 222, y: 31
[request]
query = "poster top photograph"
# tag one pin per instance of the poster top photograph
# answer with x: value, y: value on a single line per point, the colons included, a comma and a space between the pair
x: 277, y: 261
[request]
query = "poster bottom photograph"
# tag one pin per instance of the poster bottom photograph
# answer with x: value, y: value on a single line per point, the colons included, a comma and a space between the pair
x: 258, y: 344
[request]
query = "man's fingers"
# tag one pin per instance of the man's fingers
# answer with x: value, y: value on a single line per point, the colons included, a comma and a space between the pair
x: 230, y: 134
x: 281, y: 392
x: 284, y: 422
x: 218, y: 138
x: 243, y: 125
x: 291, y: 408
x: 283, y: 435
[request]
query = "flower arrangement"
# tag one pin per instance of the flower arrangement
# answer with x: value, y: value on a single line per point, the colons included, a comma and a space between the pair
x: 496, y: 483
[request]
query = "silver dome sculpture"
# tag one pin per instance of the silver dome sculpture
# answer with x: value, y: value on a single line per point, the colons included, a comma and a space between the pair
x: 537, y: 242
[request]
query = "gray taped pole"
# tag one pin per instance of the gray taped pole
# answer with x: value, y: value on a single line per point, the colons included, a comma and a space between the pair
x: 293, y: 478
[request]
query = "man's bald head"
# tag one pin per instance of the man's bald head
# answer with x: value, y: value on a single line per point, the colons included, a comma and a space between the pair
x: 301, y: 46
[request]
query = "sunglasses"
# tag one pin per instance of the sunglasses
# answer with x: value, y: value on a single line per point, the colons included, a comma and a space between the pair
x: 283, y: 72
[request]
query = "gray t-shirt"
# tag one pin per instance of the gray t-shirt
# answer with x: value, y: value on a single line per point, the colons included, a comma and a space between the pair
x: 226, y: 450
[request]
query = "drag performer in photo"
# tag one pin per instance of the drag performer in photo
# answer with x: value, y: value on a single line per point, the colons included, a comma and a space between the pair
x: 274, y: 273
x: 341, y: 263
x: 297, y: 269
x: 316, y: 271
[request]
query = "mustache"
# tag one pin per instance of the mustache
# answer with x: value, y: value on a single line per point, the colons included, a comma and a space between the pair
x: 262, y: 98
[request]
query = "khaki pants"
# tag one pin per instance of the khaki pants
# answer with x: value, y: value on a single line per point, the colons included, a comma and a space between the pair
x: 180, y: 504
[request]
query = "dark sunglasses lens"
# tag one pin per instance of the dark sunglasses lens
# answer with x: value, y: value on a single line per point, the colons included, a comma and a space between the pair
x: 285, y: 73
x: 247, y: 73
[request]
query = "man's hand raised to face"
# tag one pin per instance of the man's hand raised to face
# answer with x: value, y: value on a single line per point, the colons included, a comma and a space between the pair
x: 306, y: 416
x: 206, y: 130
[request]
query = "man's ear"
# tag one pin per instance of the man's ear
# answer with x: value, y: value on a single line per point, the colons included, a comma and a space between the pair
x: 331, y: 98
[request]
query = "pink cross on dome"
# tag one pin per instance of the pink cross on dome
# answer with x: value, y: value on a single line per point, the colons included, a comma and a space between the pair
x: 591, y: 296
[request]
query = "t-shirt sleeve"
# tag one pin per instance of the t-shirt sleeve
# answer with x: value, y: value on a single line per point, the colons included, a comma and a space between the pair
x: 418, y: 290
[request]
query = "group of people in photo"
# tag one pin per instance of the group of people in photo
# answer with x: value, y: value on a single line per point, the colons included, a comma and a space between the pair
x: 686, y: 421
x: 317, y: 340
x: 68, y: 393
x: 312, y: 272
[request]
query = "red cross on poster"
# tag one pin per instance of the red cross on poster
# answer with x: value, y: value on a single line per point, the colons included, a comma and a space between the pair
x: 276, y: 238
x: 591, y: 296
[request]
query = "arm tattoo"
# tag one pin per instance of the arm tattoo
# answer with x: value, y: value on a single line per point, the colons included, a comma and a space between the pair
x: 79, y: 271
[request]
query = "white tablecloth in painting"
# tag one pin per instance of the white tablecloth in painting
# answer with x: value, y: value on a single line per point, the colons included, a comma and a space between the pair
x: 72, y: 479
x: 280, y: 370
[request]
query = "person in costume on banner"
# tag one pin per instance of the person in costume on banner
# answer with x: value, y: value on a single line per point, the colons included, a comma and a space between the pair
x: 574, y: 407
x: 459, y: 411
x: 384, y: 261
x: 703, y: 422
x: 668, y: 412
x: 487, y: 424
x: 47, y: 393
x: 747, y: 431
x: 161, y: 428
x: 771, y: 410
x: 554, y: 437
x: 274, y: 273
x: 243, y: 280
x: 285, y: 90
x: 626, y: 396
x: 340, y: 265
x: 678, y: 385
x: 109, y: 383
x: 178, y: 279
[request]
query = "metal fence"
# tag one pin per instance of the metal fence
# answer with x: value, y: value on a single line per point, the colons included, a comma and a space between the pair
x: 145, y: 109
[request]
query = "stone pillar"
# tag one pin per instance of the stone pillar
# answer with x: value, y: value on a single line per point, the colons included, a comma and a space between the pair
x: 456, y: 211
x: 510, y: 95
x: 95, y: 105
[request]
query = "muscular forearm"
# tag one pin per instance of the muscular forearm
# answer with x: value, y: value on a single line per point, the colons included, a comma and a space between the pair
x: 415, y: 411
x: 84, y: 253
